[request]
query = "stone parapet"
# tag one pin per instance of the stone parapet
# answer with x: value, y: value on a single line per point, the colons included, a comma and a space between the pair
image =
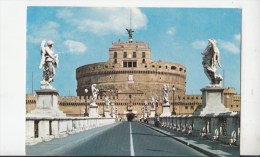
x: 220, y: 127
x: 40, y: 129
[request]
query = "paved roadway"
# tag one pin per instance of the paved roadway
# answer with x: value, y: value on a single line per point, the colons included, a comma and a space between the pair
x: 123, y: 139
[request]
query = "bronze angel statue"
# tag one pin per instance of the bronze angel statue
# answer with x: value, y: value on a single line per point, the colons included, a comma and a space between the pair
x: 211, y: 57
x: 49, y: 61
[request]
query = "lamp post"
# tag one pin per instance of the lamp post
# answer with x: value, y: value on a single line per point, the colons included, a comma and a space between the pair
x: 116, y: 112
x: 156, y: 105
x: 86, y: 109
x: 173, y: 93
x: 143, y: 112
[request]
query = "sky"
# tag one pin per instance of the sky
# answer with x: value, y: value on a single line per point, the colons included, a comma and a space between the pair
x: 83, y: 35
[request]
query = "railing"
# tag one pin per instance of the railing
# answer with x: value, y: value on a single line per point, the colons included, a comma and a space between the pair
x: 40, y: 129
x: 222, y: 127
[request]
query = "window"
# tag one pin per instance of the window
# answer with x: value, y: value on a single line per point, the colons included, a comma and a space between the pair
x: 192, y: 107
x: 143, y: 61
x: 129, y: 64
x: 115, y: 61
x: 124, y: 64
x: 186, y: 107
x: 134, y: 54
x: 115, y: 54
x: 134, y: 64
x: 125, y: 54
x: 173, y: 67
x: 143, y: 54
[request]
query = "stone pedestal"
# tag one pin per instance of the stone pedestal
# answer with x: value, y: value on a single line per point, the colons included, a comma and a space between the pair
x: 146, y: 115
x: 46, y: 104
x: 106, y: 113
x: 93, y: 110
x: 165, y: 110
x: 152, y: 114
x: 212, y: 102
x: 113, y: 115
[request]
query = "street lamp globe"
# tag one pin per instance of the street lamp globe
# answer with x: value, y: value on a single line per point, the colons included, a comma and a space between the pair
x: 86, y: 90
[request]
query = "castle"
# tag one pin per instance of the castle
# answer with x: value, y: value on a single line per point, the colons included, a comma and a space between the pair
x: 130, y: 78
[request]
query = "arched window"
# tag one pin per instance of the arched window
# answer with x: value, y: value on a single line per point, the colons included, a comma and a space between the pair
x: 143, y: 61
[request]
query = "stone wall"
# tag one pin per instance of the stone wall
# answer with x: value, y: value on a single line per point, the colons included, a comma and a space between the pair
x: 75, y: 106
x: 149, y: 80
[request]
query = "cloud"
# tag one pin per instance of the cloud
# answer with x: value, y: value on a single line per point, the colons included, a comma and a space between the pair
x: 102, y: 21
x: 229, y: 46
x: 199, y: 44
x: 64, y: 13
x: 237, y: 37
x: 171, y: 31
x: 46, y: 31
x: 225, y: 45
x: 75, y: 47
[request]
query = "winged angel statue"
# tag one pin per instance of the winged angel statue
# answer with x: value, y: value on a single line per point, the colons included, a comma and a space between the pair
x: 49, y: 61
x: 211, y: 56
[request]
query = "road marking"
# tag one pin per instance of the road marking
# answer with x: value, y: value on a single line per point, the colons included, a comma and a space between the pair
x: 131, y: 142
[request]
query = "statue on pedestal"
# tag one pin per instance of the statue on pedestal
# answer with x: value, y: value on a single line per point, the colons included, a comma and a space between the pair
x: 165, y: 91
x: 107, y: 102
x: 211, y: 56
x: 93, y: 108
x: 153, y: 103
x: 94, y: 93
x: 49, y: 61
x: 113, y: 108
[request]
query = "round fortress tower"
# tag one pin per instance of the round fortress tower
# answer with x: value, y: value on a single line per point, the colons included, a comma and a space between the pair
x: 130, y: 70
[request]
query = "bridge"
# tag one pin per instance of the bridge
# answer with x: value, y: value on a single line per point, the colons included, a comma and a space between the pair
x: 111, y: 137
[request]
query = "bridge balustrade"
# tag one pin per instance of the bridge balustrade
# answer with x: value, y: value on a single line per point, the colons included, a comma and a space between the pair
x: 45, y: 129
x: 223, y: 127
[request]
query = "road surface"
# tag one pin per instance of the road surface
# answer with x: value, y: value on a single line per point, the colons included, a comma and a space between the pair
x: 131, y: 139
